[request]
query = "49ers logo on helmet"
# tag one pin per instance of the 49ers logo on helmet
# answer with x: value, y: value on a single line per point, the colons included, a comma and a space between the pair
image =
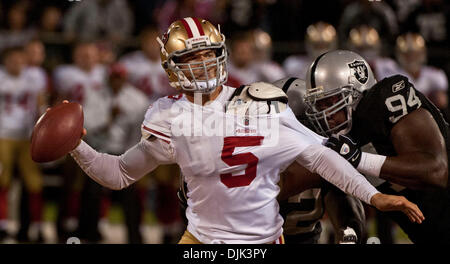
x: 360, y: 71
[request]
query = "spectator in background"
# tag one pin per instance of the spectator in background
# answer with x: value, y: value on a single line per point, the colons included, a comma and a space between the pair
x: 107, y: 52
x: 17, y: 32
x: 270, y: 70
x: 241, y: 67
x: 84, y: 82
x: 175, y: 9
x: 144, y: 13
x: 320, y: 37
x: 376, y: 14
x: 35, y: 52
x: 144, y: 67
x: 90, y: 20
x: 50, y: 32
x: 427, y: 17
x: 243, y: 15
x: 50, y: 24
x: 21, y: 95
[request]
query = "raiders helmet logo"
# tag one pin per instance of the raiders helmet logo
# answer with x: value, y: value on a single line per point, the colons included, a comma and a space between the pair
x: 360, y: 71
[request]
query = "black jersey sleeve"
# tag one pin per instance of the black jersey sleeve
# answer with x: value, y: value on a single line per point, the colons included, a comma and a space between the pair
x: 389, y: 100
x: 400, y: 97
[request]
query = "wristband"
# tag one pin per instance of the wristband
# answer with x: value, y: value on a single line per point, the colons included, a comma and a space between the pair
x: 371, y: 164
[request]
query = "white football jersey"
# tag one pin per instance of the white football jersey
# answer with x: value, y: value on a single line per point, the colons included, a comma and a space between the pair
x: 18, y: 102
x: 146, y: 75
x: 87, y: 88
x: 124, y: 131
x: 297, y: 66
x: 231, y: 164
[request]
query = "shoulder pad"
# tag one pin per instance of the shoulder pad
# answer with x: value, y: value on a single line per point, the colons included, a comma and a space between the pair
x: 264, y: 99
x: 261, y: 91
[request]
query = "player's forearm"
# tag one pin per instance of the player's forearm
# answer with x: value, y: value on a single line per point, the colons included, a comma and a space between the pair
x: 114, y: 172
x: 416, y: 170
x: 336, y: 170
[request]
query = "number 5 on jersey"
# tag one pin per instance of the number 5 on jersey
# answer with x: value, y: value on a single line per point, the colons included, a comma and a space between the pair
x: 229, y: 145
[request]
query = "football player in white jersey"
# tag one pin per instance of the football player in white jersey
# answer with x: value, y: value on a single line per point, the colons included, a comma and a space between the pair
x: 229, y: 153
x: 35, y: 53
x: 21, y: 93
x: 241, y: 67
x: 320, y: 37
x: 122, y: 133
x: 144, y: 68
x: 269, y: 69
x: 411, y: 55
x: 84, y: 81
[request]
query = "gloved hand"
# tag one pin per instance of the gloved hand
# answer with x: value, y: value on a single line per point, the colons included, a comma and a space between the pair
x: 346, y: 147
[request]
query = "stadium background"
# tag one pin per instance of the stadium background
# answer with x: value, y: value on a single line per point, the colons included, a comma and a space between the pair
x: 61, y: 24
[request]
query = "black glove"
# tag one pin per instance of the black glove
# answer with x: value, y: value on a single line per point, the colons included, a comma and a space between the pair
x: 346, y: 147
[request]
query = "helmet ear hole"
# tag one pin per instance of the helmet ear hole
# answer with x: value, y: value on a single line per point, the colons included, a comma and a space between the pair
x: 165, y: 65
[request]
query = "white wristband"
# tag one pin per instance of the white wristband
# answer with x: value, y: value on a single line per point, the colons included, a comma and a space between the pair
x: 371, y: 164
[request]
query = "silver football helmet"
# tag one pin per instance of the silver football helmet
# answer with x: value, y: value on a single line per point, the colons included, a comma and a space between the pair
x: 343, y: 75
x: 295, y: 89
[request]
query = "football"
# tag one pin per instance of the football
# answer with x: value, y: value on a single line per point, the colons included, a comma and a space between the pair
x: 57, y: 132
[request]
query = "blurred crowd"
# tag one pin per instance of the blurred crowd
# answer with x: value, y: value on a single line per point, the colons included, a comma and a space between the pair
x: 103, y: 54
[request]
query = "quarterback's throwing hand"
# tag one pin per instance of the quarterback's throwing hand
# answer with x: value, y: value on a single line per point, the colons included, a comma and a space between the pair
x: 346, y: 147
x: 385, y: 202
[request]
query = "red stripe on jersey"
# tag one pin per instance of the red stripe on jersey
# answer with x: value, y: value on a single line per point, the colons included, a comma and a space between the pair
x: 280, y: 240
x: 155, y: 132
x: 168, y: 142
x: 188, y: 29
x: 199, y: 26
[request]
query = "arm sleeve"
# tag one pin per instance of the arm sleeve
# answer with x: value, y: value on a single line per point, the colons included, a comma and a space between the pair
x: 321, y: 160
x: 336, y: 170
x: 118, y: 172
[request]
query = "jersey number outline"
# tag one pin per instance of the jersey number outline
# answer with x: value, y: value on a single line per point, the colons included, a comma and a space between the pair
x: 412, y: 101
x: 230, y: 143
